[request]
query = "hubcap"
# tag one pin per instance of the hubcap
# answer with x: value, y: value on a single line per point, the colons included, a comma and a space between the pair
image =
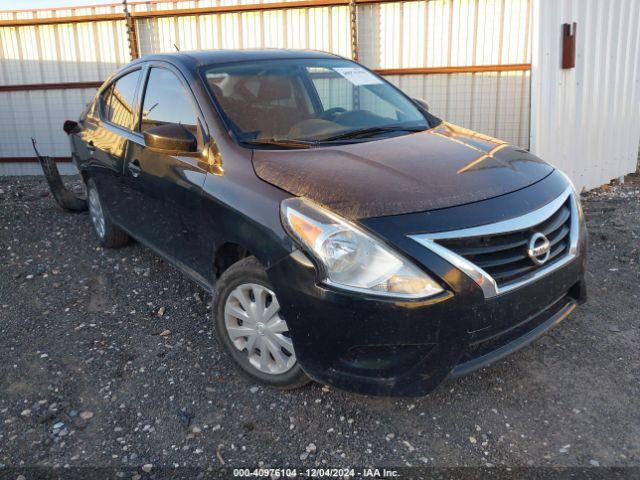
x: 254, y: 325
x: 95, y: 210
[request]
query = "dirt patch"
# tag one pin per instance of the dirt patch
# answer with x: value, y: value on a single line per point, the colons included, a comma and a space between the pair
x: 79, y: 333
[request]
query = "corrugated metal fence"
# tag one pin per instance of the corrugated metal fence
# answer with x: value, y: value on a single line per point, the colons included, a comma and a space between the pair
x: 586, y: 120
x: 468, y: 58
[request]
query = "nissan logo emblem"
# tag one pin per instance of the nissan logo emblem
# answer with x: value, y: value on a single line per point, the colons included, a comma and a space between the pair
x: 538, y: 248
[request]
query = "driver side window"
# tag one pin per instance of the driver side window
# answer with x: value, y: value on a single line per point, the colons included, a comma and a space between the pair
x: 167, y: 101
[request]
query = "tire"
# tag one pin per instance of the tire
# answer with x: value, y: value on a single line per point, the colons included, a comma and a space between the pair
x: 246, y: 281
x: 109, y: 235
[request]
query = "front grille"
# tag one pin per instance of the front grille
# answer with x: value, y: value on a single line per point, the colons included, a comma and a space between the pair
x: 505, y: 257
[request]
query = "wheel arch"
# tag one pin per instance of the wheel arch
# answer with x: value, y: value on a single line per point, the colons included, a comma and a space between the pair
x: 226, y: 254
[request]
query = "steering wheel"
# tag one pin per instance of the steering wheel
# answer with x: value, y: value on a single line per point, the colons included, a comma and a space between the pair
x: 241, y: 89
x: 332, y: 113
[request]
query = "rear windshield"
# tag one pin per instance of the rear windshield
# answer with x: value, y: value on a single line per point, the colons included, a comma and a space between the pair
x: 310, y: 100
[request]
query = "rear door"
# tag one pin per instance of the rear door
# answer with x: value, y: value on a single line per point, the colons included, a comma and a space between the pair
x: 109, y: 128
x: 167, y: 188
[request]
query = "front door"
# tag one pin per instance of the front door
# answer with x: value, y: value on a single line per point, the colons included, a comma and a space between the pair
x: 167, y: 188
x: 105, y: 139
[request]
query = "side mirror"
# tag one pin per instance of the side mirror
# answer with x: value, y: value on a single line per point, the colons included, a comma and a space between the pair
x: 170, y: 138
x: 422, y: 104
x: 70, y: 126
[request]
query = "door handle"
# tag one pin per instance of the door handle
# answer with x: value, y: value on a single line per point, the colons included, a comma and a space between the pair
x: 134, y: 168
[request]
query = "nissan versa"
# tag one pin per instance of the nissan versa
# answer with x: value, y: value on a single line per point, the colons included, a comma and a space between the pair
x: 347, y: 234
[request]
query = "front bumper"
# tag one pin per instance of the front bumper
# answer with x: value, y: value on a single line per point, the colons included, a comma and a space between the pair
x: 395, y: 348
x: 377, y: 346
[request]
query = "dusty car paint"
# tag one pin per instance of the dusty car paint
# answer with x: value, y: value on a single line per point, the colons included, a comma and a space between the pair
x: 438, y: 168
x: 195, y: 209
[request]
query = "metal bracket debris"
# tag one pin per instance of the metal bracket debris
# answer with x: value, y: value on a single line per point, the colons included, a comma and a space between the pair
x: 65, y: 197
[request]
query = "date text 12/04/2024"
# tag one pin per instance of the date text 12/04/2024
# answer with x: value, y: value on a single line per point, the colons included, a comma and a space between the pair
x: 315, y: 473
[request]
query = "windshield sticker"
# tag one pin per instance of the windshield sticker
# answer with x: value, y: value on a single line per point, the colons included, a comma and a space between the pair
x: 358, y: 76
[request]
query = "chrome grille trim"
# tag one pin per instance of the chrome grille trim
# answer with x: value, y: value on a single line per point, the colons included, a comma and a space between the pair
x: 489, y: 286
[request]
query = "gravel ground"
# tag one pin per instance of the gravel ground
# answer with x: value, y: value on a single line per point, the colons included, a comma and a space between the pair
x: 107, y: 357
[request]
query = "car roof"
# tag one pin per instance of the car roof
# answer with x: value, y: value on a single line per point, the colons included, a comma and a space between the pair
x: 198, y: 58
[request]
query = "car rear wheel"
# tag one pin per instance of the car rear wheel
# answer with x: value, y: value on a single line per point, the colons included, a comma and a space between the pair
x: 251, y: 327
x: 109, y: 235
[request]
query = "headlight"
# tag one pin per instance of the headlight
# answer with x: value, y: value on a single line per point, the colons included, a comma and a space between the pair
x: 351, y: 258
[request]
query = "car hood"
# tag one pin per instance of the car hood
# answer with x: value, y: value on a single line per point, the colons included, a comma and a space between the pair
x: 438, y: 168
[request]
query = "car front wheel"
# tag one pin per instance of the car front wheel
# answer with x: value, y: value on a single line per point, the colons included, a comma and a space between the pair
x: 251, y: 327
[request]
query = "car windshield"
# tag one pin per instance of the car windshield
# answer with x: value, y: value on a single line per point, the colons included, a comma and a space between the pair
x: 299, y: 103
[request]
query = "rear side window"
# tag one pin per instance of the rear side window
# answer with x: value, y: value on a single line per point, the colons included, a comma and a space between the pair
x: 167, y: 101
x: 118, y: 102
x: 103, y: 101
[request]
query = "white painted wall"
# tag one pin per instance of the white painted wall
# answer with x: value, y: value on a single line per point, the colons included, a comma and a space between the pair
x: 586, y: 120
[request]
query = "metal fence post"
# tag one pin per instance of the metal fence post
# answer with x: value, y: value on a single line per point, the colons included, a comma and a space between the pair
x: 353, y: 16
x: 131, y: 32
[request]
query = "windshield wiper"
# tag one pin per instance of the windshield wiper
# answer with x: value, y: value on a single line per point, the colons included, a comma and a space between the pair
x: 361, y: 132
x: 281, y: 142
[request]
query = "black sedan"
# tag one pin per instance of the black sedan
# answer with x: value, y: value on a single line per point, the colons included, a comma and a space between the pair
x: 348, y: 235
